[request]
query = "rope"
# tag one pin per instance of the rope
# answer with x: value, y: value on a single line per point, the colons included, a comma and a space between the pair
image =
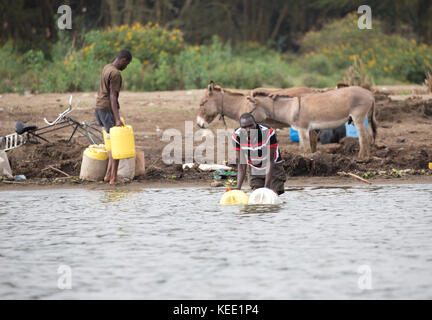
x: 222, y: 115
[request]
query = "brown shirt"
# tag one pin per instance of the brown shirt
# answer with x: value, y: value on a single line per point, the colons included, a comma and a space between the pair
x: 111, y: 80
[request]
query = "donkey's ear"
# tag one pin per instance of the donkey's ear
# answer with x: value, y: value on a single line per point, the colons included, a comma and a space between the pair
x: 250, y: 99
x: 211, y: 87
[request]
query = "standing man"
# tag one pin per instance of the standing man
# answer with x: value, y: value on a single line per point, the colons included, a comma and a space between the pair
x: 257, y: 146
x: 107, y: 106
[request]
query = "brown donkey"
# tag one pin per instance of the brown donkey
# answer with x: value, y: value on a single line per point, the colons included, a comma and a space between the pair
x: 224, y: 102
x: 325, y: 110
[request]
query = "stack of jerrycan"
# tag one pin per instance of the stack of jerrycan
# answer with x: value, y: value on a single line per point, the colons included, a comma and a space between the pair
x: 121, y: 143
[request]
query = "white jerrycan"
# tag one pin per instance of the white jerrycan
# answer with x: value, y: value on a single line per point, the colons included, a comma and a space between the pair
x: 264, y: 196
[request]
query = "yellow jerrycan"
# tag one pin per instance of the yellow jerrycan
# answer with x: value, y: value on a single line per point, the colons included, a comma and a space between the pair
x: 94, y: 163
x: 96, y: 152
x: 106, y: 137
x: 234, y: 197
x: 122, y: 142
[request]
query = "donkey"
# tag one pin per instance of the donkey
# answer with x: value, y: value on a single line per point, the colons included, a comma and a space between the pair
x: 325, y: 110
x: 273, y: 93
x: 224, y: 102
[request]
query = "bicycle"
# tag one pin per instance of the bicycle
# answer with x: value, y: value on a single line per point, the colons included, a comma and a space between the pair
x: 25, y: 133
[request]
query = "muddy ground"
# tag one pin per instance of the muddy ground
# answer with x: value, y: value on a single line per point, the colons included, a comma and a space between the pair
x: 403, y: 146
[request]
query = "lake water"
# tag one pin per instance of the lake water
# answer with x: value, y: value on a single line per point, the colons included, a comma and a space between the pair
x: 360, y: 242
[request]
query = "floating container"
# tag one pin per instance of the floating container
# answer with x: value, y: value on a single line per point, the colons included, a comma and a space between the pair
x: 264, y: 196
x: 107, y: 141
x: 234, y: 197
x: 122, y: 142
x: 94, y: 163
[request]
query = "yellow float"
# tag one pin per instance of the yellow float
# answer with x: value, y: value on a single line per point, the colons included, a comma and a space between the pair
x: 234, y: 197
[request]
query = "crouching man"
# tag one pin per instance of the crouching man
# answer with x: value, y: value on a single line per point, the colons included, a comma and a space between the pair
x: 257, y: 146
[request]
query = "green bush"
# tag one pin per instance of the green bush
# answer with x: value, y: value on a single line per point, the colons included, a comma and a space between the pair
x: 146, y: 42
x: 133, y: 79
x: 11, y: 69
x: 162, y: 60
x: 318, y: 63
x: 384, y: 56
x: 318, y: 81
x: 231, y: 67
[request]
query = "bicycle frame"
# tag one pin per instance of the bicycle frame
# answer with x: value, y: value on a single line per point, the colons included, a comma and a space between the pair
x: 93, y: 134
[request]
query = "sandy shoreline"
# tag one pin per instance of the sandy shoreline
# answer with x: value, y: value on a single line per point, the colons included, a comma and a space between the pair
x: 403, y: 145
x: 291, y: 182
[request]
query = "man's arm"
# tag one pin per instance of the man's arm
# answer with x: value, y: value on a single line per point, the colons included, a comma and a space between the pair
x: 270, y: 165
x: 241, y: 169
x: 114, y: 87
x: 115, y: 107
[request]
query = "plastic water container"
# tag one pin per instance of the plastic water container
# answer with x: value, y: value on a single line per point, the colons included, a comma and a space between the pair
x: 126, y: 169
x: 94, y: 163
x: 122, y: 142
x: 107, y: 141
x: 139, y: 163
x: 351, y: 130
x: 96, y: 152
x: 264, y: 196
x: 234, y: 197
x: 293, y: 135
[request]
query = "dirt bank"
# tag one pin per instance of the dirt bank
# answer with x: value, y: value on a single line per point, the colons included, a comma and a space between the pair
x: 403, y: 146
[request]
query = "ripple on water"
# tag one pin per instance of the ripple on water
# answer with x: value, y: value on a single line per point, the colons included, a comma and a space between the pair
x: 180, y: 244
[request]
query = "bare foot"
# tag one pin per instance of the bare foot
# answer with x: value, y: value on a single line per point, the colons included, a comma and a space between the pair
x: 113, y: 182
x: 107, y: 179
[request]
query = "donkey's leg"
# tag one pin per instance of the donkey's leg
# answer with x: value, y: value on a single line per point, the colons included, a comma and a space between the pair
x: 313, y: 136
x: 364, y: 140
x: 305, y: 140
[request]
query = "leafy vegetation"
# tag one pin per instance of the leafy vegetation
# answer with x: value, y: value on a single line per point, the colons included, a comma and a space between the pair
x: 163, y: 60
x: 384, y: 56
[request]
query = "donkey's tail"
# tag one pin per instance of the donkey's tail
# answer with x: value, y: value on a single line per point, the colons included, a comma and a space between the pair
x: 373, y: 122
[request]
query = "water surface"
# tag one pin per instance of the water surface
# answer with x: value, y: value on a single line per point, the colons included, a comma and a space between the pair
x: 362, y: 242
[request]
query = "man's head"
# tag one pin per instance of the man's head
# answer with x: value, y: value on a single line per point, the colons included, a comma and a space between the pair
x: 124, y: 57
x: 247, y: 122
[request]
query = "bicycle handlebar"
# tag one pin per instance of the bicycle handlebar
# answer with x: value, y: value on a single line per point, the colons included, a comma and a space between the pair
x: 61, y: 115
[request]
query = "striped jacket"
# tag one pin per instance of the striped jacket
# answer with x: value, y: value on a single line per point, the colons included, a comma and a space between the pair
x: 256, y: 147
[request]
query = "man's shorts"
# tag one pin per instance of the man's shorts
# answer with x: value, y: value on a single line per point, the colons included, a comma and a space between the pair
x: 277, y: 180
x: 105, y: 119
